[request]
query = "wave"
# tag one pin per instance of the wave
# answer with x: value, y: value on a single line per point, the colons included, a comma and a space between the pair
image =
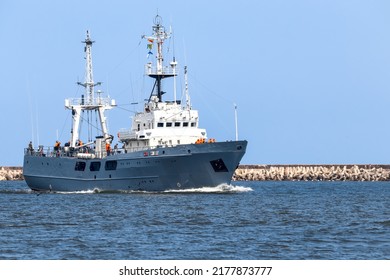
x: 223, y: 188
x: 16, y: 191
x: 80, y: 192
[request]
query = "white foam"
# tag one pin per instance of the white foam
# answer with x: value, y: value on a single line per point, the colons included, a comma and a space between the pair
x: 81, y: 192
x: 223, y: 188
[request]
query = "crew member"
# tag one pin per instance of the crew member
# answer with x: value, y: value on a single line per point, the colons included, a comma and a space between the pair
x: 108, y: 148
x: 57, y: 146
x: 30, y: 148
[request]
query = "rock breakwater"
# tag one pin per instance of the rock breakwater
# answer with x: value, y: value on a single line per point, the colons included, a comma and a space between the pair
x: 11, y: 173
x: 279, y: 173
x: 312, y: 173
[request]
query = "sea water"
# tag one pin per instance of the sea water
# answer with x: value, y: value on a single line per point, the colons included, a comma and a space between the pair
x: 246, y: 220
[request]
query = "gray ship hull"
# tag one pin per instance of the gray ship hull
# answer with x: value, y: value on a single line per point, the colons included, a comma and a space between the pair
x: 160, y: 169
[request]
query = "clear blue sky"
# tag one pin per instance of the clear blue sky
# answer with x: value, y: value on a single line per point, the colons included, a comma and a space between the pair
x: 311, y: 78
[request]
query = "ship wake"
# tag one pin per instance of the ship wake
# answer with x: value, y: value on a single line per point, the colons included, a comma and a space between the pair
x: 223, y: 188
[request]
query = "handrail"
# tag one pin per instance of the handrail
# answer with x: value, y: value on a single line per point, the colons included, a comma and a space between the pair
x: 165, y: 70
x: 62, y: 151
x: 75, y: 152
x: 97, y: 101
x: 69, y: 152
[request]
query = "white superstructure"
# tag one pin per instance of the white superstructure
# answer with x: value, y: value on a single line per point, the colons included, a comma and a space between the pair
x: 162, y: 123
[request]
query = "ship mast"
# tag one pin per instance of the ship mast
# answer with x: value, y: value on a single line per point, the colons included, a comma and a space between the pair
x: 91, y: 103
x: 88, y: 83
x: 159, y: 71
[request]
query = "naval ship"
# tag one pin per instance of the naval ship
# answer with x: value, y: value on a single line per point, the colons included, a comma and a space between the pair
x: 164, y: 148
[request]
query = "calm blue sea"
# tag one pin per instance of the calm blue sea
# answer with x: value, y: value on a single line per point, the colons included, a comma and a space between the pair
x: 249, y: 220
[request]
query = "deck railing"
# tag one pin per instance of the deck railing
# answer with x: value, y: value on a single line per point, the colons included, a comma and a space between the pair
x: 82, y: 152
x: 96, y: 101
x: 166, y: 70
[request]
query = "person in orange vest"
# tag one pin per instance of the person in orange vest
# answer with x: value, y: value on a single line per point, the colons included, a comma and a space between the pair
x: 108, y: 148
x: 57, y: 146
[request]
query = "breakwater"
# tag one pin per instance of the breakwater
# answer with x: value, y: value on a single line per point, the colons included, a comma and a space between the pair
x: 367, y: 172
x: 312, y: 173
x: 11, y: 173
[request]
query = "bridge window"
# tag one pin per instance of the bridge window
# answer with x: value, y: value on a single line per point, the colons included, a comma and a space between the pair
x: 177, y: 124
x: 193, y: 124
x: 169, y: 124
x: 94, y: 166
x: 185, y: 124
x: 80, y: 166
x: 111, y: 165
x: 160, y: 124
